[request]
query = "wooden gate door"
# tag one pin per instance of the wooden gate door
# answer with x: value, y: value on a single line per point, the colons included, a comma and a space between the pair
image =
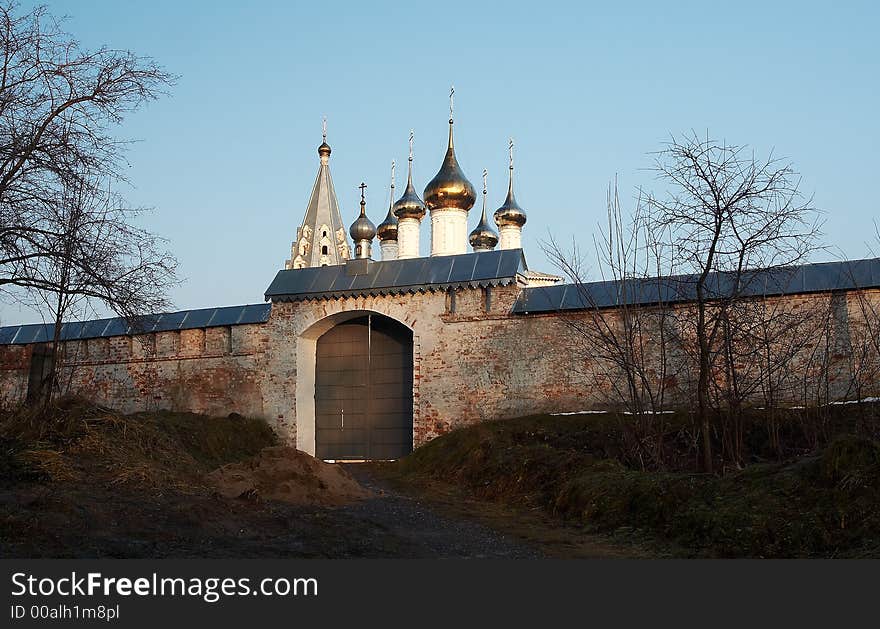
x: 363, y: 390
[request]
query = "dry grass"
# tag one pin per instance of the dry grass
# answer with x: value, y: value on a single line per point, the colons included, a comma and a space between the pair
x: 822, y: 503
x: 75, y: 439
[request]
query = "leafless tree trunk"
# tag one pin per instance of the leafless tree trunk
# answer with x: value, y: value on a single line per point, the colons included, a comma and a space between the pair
x: 100, y: 257
x: 727, y: 213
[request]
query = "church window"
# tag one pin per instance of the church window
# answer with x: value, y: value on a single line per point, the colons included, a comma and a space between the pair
x: 487, y: 299
x: 324, y: 250
x: 325, y: 234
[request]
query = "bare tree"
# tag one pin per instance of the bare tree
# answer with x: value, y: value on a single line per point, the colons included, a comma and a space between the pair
x: 58, y: 105
x: 726, y: 213
x: 624, y: 349
x: 99, y: 257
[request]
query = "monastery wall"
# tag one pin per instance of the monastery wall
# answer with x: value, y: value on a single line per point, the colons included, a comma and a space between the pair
x: 214, y: 370
x: 473, y: 361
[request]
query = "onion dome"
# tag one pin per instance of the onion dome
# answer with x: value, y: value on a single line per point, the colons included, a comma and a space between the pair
x: 510, y: 213
x: 410, y: 205
x: 483, y: 237
x: 362, y: 228
x: 450, y: 188
x: 387, y: 229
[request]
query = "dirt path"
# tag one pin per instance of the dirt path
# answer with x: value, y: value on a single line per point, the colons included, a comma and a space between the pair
x: 425, y: 530
x: 525, y: 525
x: 83, y: 520
x: 88, y: 519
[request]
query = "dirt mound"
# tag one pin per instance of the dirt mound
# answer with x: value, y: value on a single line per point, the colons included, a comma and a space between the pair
x: 288, y: 475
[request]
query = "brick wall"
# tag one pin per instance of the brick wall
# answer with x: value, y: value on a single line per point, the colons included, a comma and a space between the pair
x: 470, y: 364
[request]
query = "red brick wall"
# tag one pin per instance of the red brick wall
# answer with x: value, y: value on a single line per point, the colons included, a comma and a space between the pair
x: 470, y: 365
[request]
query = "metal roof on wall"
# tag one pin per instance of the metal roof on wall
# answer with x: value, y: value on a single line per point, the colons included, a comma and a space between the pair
x: 486, y: 268
x: 117, y: 326
x: 809, y: 278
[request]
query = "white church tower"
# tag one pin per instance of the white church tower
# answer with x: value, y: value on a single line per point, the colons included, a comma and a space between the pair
x: 321, y: 239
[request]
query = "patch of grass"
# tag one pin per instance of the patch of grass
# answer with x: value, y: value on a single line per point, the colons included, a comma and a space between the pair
x: 825, y: 503
x: 76, y: 439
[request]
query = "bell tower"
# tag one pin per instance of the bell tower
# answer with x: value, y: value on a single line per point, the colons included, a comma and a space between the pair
x: 321, y: 239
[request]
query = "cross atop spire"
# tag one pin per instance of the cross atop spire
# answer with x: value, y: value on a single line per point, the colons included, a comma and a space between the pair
x: 485, y: 178
x: 324, y: 127
x: 510, y: 149
x: 363, y: 187
x: 411, y: 136
x: 451, y: 102
x: 393, y: 164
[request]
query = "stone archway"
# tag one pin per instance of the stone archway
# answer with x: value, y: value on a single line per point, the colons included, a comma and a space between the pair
x: 362, y: 361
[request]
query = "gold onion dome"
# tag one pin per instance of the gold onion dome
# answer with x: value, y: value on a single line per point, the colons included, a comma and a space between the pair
x: 324, y: 149
x: 483, y: 236
x: 510, y: 213
x: 387, y: 229
x: 362, y: 228
x: 450, y: 188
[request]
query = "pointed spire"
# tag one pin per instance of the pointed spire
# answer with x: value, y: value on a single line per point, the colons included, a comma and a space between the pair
x: 410, y: 205
x: 510, y: 213
x: 387, y: 229
x: 483, y: 238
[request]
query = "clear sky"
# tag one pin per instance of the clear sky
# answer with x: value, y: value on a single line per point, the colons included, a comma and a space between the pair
x: 587, y: 90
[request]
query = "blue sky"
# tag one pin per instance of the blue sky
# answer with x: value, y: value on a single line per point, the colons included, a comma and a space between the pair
x: 587, y: 91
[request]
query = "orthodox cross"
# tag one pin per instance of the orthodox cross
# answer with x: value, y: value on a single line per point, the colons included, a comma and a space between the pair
x: 324, y: 128
x: 451, y: 95
x: 510, y: 148
x: 363, y: 187
x: 411, y: 135
x: 485, y: 177
x: 392, y: 178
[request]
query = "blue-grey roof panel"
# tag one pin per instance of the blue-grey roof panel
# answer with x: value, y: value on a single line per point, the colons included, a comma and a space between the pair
x: 94, y: 328
x: 171, y: 320
x: 810, y: 278
x: 385, y: 276
x: 463, y: 268
x: 413, y: 271
x: 255, y: 313
x: 117, y: 326
x: 439, y: 270
x: 230, y: 315
x: 486, y: 267
x: 72, y: 330
x: 7, y: 334
x: 387, y: 273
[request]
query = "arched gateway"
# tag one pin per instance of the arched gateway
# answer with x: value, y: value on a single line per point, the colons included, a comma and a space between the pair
x: 363, y: 390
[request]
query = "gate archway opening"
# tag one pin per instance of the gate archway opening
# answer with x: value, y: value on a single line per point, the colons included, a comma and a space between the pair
x: 363, y: 389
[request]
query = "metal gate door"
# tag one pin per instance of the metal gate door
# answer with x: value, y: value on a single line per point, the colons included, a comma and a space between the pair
x: 363, y: 390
